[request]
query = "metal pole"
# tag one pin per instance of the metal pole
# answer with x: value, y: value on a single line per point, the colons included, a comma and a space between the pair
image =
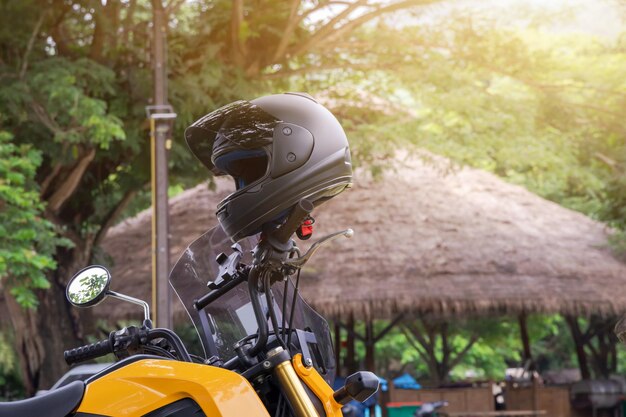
x: 160, y: 143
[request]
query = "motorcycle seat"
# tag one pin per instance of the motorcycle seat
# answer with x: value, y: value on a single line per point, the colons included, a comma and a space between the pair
x: 56, y: 403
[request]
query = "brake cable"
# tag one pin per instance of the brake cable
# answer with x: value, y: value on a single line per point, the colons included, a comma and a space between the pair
x: 293, y: 306
x: 296, y: 251
x: 269, y: 297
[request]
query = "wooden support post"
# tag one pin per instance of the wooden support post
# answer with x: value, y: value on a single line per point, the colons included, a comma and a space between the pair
x: 350, y: 351
x: 337, y: 348
x: 370, y: 363
x: 535, y: 389
x: 527, y: 357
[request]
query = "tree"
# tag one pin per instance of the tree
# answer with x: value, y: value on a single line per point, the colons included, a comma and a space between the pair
x: 74, y: 80
x: 69, y: 93
x: 596, y: 345
x: 430, y: 339
x: 28, y: 239
x: 73, y: 85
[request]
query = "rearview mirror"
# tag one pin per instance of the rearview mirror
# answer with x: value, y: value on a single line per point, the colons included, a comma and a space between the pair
x: 89, y: 286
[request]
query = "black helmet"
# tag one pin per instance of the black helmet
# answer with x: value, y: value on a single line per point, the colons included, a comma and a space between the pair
x: 279, y: 149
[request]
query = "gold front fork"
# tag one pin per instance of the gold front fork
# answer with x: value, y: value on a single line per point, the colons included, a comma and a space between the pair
x: 293, y: 388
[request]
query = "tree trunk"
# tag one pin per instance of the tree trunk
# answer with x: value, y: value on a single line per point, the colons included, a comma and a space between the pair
x: 42, y: 334
x: 29, y: 349
x: 581, y: 355
x: 526, y: 351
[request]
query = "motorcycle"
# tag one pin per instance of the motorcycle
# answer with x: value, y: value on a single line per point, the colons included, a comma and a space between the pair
x: 266, y: 351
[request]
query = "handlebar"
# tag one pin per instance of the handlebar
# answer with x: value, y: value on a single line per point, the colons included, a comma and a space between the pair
x: 123, y: 341
x: 207, y: 299
x: 295, y: 219
x: 87, y: 352
x: 173, y: 340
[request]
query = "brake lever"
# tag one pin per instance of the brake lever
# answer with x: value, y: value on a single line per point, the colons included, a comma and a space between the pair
x: 300, y: 261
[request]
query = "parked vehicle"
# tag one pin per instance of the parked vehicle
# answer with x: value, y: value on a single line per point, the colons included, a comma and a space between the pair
x: 266, y: 351
x: 431, y: 409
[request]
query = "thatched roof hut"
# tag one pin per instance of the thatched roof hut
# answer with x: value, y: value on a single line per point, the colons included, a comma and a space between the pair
x: 428, y: 239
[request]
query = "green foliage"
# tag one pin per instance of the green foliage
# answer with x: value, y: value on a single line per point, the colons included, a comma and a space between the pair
x: 497, y: 348
x: 28, y: 240
x: 539, y: 109
x: 74, y: 141
x: 10, y: 384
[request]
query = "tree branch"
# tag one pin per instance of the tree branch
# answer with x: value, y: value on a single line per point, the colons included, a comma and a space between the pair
x: 67, y: 188
x: 66, y: 232
x: 45, y: 118
x: 444, y: 344
x: 292, y: 24
x: 48, y: 180
x: 237, y: 48
x: 459, y: 356
x: 415, y: 345
x: 329, y: 32
x: 31, y: 42
x: 328, y: 28
x: 300, y: 18
x: 50, y: 123
x: 376, y: 13
x: 418, y: 335
x: 128, y: 22
x: 310, y: 69
x: 388, y: 328
x: 96, y: 49
x: 173, y: 6
x: 113, y: 215
x: 431, y: 334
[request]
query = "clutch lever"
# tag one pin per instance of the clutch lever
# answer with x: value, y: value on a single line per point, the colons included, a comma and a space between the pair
x: 300, y: 261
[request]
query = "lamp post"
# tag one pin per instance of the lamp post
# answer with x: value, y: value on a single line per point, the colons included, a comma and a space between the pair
x: 161, y: 117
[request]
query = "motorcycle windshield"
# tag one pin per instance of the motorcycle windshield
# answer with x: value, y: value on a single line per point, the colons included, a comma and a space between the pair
x: 230, y: 318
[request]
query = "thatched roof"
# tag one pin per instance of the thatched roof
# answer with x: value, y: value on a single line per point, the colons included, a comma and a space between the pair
x: 426, y: 241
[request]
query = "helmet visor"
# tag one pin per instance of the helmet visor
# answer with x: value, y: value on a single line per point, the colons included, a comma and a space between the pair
x: 237, y: 126
x: 246, y: 166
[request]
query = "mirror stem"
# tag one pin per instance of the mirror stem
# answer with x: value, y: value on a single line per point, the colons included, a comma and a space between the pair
x: 146, y: 307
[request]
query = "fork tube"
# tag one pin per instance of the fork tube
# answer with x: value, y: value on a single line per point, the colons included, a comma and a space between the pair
x: 292, y: 388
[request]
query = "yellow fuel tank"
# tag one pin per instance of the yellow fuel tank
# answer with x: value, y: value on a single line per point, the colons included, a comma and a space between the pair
x: 148, y: 385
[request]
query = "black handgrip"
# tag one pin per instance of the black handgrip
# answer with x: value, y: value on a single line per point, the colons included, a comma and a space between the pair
x: 295, y: 219
x: 91, y: 351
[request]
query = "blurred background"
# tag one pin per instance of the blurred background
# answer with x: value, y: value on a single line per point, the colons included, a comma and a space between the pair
x: 533, y: 92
